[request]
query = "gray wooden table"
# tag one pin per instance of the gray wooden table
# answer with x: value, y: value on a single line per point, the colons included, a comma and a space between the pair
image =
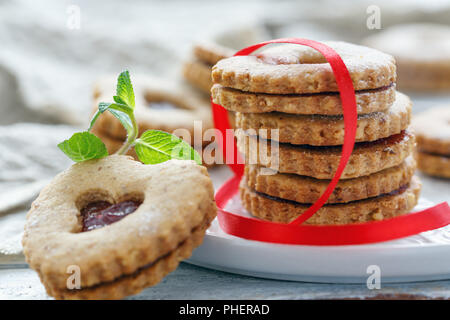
x: 191, y: 282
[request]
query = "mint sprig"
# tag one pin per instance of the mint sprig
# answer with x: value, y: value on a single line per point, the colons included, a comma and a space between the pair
x: 154, y: 146
x: 83, y: 146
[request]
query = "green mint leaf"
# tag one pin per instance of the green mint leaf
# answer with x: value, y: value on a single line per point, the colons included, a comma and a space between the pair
x: 124, y: 119
x: 103, y: 106
x: 123, y: 115
x: 94, y: 118
x: 83, y: 146
x: 155, y: 146
x: 124, y: 90
x: 119, y: 100
x: 120, y: 111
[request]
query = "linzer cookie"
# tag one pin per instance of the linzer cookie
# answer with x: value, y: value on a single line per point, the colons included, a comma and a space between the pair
x: 293, y: 69
x: 197, y: 71
x: 367, y: 101
x: 291, y: 131
x: 432, y: 129
x: 109, y: 226
x: 305, y: 189
x: 384, y: 206
x: 434, y: 165
x: 121, y: 224
x: 198, y: 74
x: 422, y: 52
x: 320, y: 130
x: 322, y: 162
x: 210, y: 52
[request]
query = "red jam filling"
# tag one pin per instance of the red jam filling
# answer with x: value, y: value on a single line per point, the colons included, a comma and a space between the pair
x: 392, y: 193
x: 396, y: 138
x: 102, y: 213
x: 388, y: 141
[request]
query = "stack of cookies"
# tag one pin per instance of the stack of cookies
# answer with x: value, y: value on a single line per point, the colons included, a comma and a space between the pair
x: 432, y: 129
x: 291, y: 131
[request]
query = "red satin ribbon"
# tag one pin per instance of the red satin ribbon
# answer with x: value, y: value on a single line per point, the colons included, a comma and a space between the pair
x: 295, y: 233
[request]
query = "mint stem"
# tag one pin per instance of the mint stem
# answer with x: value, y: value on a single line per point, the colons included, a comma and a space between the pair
x: 131, y: 137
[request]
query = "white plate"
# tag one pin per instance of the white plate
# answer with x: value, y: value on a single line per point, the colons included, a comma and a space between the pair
x: 417, y: 258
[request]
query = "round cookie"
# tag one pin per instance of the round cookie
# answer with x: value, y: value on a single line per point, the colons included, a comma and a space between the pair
x: 123, y: 257
x: 198, y: 74
x: 159, y: 105
x: 434, y: 165
x: 367, y: 101
x: 304, y: 189
x: 432, y: 130
x: 422, y: 52
x: 322, y: 162
x: 210, y: 52
x: 327, y: 130
x: 295, y: 69
x: 374, y: 209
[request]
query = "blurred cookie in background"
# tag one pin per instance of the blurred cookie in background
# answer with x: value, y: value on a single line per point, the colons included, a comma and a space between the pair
x: 160, y: 105
x: 422, y: 52
x: 197, y: 71
x: 432, y: 129
x: 206, y: 53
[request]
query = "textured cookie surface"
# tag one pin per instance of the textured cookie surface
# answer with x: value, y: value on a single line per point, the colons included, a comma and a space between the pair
x: 322, y: 162
x: 287, y: 69
x: 170, y: 211
x: 373, y: 209
x: 432, y: 130
x: 367, y: 101
x: 304, y: 189
x: 327, y: 130
x: 434, y: 165
x: 147, y: 276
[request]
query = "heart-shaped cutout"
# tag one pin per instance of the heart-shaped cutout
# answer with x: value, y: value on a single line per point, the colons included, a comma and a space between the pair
x: 99, y: 214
